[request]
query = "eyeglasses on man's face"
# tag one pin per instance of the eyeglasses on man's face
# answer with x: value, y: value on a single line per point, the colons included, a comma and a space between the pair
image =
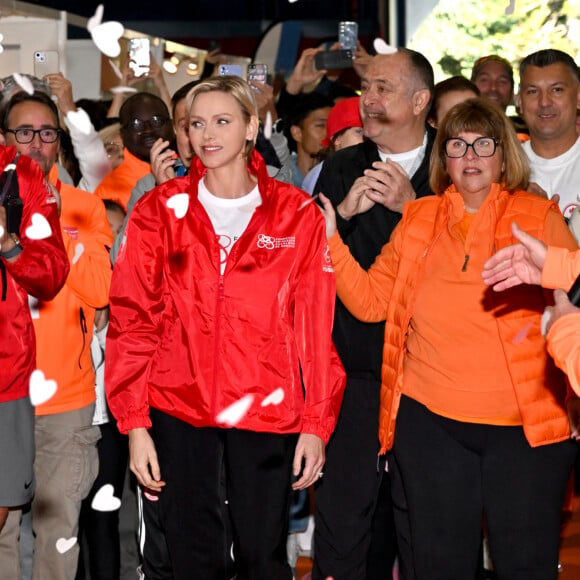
x: 138, y: 125
x: 26, y: 135
x: 456, y: 147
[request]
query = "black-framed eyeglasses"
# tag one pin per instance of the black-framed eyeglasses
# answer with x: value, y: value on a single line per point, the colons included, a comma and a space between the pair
x: 138, y: 125
x: 113, y: 148
x: 456, y: 147
x: 25, y: 136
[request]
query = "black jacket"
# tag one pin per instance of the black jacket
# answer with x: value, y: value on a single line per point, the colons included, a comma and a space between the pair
x: 360, y: 344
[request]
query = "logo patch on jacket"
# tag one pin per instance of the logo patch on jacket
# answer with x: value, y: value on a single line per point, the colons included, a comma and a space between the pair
x: 272, y: 243
x: 71, y: 232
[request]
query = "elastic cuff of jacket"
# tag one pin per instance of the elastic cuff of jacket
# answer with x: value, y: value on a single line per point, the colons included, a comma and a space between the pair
x: 318, y: 430
x: 134, y: 422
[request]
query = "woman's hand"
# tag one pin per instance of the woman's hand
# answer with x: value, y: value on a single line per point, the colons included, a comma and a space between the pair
x: 329, y: 215
x: 310, y: 449
x: 143, y: 459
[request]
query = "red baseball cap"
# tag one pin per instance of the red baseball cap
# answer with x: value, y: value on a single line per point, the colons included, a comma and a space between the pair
x: 344, y: 115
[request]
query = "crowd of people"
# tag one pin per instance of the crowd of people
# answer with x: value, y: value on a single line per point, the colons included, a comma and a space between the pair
x: 318, y: 312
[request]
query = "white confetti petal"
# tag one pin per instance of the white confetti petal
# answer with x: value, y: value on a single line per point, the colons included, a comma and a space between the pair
x: 105, y: 500
x: 179, y: 204
x: 106, y: 38
x: 79, y: 249
x: 96, y: 19
x: 63, y: 545
x: 274, y: 398
x: 1, y: 231
x: 24, y: 83
x: 41, y: 389
x: 522, y: 334
x: 39, y: 229
x: 307, y: 202
x: 546, y: 320
x: 116, y: 69
x: 268, y: 126
x: 123, y: 89
x: 381, y: 47
x: 33, y: 306
x: 233, y: 414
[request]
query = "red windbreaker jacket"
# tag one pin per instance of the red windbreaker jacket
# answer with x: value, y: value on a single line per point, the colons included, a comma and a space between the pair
x: 224, y: 350
x: 40, y: 270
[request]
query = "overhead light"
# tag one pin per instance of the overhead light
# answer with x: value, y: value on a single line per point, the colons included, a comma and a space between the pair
x: 192, y: 68
x: 171, y: 64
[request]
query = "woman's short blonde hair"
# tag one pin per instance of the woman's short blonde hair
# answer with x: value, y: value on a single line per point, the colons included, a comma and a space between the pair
x: 109, y: 132
x: 484, y: 117
x: 239, y: 89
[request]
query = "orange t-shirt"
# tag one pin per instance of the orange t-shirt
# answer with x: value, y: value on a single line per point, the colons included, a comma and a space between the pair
x: 64, y: 325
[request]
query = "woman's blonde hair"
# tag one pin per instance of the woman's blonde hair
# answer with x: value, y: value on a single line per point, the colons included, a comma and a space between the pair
x: 485, y: 118
x: 109, y: 132
x: 240, y: 90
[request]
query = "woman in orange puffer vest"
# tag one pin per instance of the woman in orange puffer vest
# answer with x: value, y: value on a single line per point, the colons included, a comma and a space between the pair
x: 472, y: 409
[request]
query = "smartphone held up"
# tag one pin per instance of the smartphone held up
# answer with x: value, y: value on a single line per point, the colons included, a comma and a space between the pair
x: 45, y: 63
x: 139, y: 57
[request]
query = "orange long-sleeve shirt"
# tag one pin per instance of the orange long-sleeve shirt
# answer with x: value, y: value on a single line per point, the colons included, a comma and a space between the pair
x: 118, y: 184
x: 560, y: 271
x: 455, y: 362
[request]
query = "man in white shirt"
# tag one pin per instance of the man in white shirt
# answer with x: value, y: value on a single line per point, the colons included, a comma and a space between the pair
x: 548, y: 100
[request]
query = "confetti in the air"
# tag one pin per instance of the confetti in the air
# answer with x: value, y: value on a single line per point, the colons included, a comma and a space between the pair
x: 233, y: 414
x: 39, y: 229
x: 41, y: 389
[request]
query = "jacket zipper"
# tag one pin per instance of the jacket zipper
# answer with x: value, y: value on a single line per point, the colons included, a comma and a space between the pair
x: 464, y: 269
x: 83, y: 323
x: 218, y: 312
x: 4, y: 280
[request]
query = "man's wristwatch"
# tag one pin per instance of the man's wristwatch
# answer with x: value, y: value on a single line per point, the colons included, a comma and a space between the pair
x: 12, y: 253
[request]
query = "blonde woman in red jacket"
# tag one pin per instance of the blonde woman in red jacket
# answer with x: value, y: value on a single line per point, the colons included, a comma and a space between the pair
x: 221, y: 310
x: 472, y: 409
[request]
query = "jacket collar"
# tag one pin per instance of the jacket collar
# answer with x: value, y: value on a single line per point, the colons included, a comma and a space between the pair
x: 454, y: 200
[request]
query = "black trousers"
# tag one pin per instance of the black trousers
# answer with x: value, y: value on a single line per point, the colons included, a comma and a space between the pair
x: 101, y: 529
x: 191, y: 529
x: 447, y: 474
x: 346, y: 496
